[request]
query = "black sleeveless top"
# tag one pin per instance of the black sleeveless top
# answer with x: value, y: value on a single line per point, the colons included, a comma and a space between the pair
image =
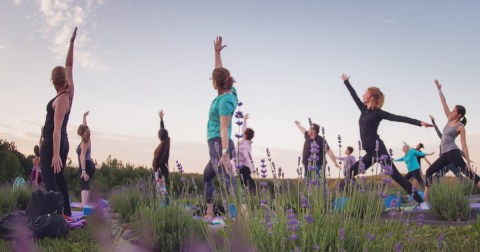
x: 49, y: 120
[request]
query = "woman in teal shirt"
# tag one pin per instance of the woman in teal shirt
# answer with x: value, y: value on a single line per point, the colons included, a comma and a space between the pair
x: 411, y: 161
x: 219, y: 128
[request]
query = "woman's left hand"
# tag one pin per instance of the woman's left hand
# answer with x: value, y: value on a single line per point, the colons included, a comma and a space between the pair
x: 85, y: 176
x: 226, y: 162
x: 57, y: 164
x: 426, y: 125
x: 74, y: 35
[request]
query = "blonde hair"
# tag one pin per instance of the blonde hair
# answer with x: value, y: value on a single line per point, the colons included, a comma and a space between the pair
x: 58, y: 77
x: 378, y: 97
x: 84, y: 132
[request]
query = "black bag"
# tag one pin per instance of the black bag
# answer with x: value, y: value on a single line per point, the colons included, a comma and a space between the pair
x: 14, y: 225
x: 48, y: 225
x: 42, y: 203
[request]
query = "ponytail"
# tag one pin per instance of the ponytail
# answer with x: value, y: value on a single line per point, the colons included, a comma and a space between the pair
x: 461, y: 111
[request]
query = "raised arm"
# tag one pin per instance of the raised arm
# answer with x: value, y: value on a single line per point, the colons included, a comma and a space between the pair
x: 300, y: 127
x: 161, y: 114
x: 396, y: 118
x: 69, y: 63
x: 85, y: 118
x: 244, y: 125
x: 217, y: 45
x: 442, y: 98
x: 439, y: 133
x: 354, y: 95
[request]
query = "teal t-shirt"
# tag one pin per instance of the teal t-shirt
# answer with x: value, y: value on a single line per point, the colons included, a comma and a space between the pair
x: 223, y: 105
x: 411, y: 159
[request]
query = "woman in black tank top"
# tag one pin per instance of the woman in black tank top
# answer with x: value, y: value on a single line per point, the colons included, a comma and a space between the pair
x: 55, y: 146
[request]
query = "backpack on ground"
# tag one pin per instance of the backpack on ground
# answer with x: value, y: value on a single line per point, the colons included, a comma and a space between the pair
x: 43, y: 203
x: 14, y: 225
x: 49, y: 225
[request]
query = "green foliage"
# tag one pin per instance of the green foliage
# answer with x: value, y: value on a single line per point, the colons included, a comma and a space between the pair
x: 448, y: 201
x: 166, y: 228
x: 126, y: 201
x: 11, y: 201
x: 26, y: 164
x: 9, y: 166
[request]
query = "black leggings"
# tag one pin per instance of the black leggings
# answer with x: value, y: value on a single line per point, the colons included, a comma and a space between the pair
x: 55, y: 181
x: 246, y: 178
x: 417, y: 174
x: 90, y: 170
x: 396, y: 176
x: 453, y: 157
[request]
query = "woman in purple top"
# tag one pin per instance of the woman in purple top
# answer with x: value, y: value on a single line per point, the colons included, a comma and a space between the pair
x: 371, y: 114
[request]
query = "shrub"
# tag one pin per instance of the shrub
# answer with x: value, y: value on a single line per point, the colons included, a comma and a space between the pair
x: 166, y: 228
x: 9, y: 166
x: 448, y: 201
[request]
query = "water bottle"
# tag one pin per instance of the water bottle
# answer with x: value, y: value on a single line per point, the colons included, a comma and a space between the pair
x: 233, y: 210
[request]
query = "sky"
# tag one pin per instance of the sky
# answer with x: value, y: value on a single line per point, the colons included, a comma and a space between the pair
x: 133, y: 58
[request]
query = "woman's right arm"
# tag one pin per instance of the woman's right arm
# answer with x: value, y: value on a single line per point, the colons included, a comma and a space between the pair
x: 217, y: 45
x: 85, y: 118
x: 69, y: 64
x: 244, y: 125
x: 161, y: 114
x: 442, y: 98
x: 354, y: 95
x: 439, y: 133
x: 300, y: 127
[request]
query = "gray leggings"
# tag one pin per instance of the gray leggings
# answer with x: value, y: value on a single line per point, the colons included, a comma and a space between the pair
x: 215, y: 151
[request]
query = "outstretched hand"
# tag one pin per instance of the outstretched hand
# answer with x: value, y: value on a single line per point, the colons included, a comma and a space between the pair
x: 344, y: 77
x: 74, y: 35
x: 439, y: 86
x: 297, y: 122
x: 86, y: 114
x: 161, y: 114
x: 217, y: 44
x: 246, y: 116
x: 426, y: 125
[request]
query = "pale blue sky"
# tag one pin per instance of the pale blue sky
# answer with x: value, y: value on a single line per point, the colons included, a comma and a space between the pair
x: 135, y: 57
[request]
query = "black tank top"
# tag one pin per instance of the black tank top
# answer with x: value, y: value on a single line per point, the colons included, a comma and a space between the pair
x: 49, y: 120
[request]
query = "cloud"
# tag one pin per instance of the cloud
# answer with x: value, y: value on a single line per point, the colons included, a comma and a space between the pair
x: 58, y: 20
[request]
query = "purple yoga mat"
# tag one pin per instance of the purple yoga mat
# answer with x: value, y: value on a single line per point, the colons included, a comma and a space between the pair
x: 475, y: 205
x: 77, y: 214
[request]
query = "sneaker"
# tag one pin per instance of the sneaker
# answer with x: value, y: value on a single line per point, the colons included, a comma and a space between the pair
x: 424, y: 206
